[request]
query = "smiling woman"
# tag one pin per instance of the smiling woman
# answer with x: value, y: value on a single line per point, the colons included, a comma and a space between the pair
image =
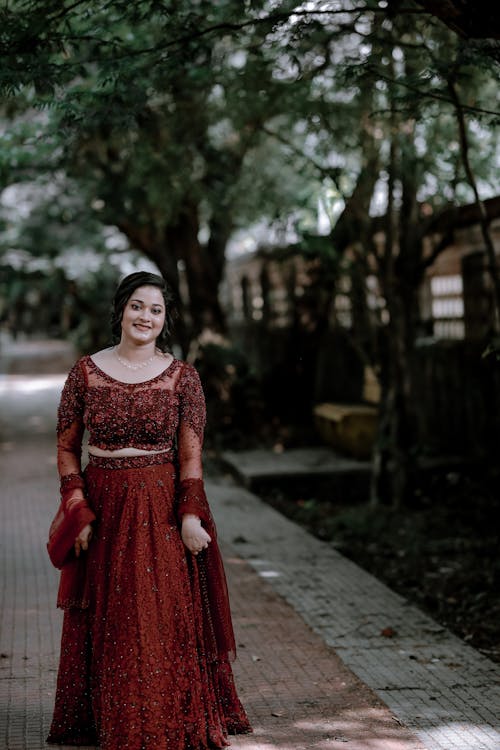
x: 147, y: 634
x: 141, y: 325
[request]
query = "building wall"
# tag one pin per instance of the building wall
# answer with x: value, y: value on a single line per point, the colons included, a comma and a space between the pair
x: 301, y: 344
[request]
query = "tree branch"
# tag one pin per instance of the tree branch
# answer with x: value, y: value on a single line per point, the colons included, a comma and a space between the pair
x: 226, y: 26
x: 431, y: 95
x: 330, y: 173
x: 483, y: 221
x: 443, y: 243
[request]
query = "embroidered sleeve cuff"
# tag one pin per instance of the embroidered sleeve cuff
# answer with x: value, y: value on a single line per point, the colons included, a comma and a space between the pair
x: 83, y: 515
x: 192, y: 499
x: 69, y: 483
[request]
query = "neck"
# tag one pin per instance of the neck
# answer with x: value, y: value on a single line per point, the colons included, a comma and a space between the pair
x: 135, y: 352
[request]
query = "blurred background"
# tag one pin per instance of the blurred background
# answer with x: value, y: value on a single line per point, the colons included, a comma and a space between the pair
x: 318, y: 183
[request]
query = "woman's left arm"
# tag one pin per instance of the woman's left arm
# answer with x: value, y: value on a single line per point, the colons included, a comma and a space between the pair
x: 192, y: 506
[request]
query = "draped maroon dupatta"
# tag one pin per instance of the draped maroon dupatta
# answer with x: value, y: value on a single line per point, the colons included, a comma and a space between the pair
x: 72, y: 516
x: 219, y: 634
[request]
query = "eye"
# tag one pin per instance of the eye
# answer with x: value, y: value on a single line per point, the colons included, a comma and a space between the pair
x: 135, y: 306
x: 157, y: 311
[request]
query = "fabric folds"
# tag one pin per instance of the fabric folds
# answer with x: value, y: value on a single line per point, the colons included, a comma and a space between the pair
x: 150, y: 637
x: 192, y: 499
x: 69, y: 520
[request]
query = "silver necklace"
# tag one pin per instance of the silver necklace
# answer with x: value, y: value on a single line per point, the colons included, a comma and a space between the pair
x: 131, y: 366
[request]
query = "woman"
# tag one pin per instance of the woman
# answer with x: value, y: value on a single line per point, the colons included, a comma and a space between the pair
x: 147, y: 632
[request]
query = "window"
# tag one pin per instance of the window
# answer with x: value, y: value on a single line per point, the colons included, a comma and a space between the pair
x: 447, y: 305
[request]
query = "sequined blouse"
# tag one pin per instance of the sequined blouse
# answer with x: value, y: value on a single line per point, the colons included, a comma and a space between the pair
x: 164, y: 413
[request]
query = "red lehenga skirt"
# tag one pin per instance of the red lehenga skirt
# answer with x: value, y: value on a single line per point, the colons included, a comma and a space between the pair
x: 135, y: 669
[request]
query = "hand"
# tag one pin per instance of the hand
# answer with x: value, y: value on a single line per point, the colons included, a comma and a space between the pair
x: 83, y: 539
x: 194, y: 535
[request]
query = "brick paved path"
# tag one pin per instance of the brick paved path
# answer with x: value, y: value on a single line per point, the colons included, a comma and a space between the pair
x: 431, y: 680
x: 296, y: 690
x: 300, y: 695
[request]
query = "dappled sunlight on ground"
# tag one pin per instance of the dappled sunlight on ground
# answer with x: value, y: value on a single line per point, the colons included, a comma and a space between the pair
x: 298, y: 693
x: 30, y: 383
x: 349, y: 730
x: 29, y: 407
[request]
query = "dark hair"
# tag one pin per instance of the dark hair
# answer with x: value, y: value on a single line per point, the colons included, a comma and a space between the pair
x: 127, y: 287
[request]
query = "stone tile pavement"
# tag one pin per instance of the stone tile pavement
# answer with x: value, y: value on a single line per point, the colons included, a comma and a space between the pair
x: 312, y: 668
x: 435, y: 684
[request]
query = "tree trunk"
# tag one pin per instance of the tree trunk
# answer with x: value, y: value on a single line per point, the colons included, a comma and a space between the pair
x: 202, y: 275
x: 400, y: 276
x: 393, y: 465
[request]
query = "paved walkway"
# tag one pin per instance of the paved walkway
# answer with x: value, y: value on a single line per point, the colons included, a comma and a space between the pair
x: 314, y: 670
x: 432, y: 682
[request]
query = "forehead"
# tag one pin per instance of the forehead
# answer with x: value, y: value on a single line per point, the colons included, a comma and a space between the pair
x: 150, y: 295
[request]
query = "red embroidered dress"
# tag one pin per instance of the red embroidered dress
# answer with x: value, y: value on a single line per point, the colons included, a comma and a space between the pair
x: 147, y: 631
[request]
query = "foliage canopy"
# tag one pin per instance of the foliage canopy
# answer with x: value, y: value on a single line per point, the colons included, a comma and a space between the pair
x: 179, y: 122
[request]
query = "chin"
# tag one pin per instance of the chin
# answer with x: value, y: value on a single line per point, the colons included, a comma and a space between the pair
x: 143, y: 337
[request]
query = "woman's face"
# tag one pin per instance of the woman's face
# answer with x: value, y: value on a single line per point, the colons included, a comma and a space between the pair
x: 143, y: 315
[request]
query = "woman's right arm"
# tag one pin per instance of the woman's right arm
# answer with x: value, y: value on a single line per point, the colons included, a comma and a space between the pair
x: 70, y: 429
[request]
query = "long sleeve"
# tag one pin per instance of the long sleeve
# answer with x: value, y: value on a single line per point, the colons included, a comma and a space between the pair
x: 70, y: 429
x: 192, y: 416
x: 74, y: 512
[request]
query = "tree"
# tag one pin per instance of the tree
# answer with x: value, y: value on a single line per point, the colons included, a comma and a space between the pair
x: 155, y: 138
x: 157, y: 110
x: 413, y: 130
x: 413, y: 144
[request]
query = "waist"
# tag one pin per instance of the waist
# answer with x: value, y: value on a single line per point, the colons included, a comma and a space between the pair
x: 127, y: 451
x: 136, y: 461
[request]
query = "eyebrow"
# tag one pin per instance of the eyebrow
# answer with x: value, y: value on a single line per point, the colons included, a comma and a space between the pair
x: 136, y: 299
